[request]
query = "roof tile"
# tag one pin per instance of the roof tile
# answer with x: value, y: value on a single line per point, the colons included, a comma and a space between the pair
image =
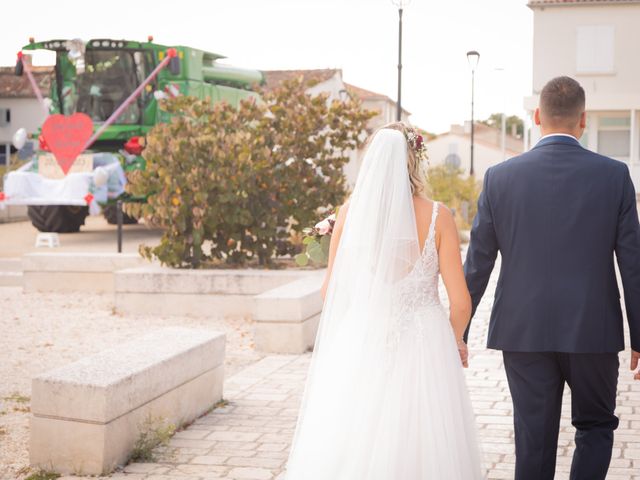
x: 547, y: 3
x: 12, y: 86
x: 273, y: 78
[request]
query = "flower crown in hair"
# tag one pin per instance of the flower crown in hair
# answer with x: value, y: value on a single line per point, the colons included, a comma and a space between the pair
x: 416, y: 143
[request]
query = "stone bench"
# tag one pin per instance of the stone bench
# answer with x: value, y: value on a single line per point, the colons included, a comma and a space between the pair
x: 10, y: 272
x: 154, y: 289
x: 286, y: 318
x: 86, y: 416
x: 75, y: 272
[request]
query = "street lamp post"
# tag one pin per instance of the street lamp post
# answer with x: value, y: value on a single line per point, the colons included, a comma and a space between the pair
x: 473, y: 57
x: 401, y: 4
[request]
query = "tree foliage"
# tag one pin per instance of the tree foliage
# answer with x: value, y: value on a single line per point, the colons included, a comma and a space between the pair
x: 495, y: 121
x: 233, y: 184
x: 450, y: 186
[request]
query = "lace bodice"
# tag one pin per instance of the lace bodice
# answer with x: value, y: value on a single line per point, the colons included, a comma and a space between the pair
x: 419, y: 289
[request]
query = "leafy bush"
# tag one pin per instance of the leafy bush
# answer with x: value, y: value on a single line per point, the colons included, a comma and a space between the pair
x: 449, y: 186
x: 241, y: 181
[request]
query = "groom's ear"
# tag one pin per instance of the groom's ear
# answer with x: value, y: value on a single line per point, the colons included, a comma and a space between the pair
x: 583, y: 120
x: 536, y: 116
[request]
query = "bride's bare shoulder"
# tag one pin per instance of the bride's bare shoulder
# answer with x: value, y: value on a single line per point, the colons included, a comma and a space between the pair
x: 422, y: 204
x: 424, y: 209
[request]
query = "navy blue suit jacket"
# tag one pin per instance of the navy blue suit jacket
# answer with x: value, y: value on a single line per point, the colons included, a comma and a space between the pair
x: 557, y: 214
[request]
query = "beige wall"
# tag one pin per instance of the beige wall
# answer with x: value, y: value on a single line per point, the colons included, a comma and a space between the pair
x: 555, y: 53
x: 484, y: 156
x: 25, y: 112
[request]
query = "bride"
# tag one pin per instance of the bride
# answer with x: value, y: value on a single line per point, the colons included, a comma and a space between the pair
x: 385, y: 397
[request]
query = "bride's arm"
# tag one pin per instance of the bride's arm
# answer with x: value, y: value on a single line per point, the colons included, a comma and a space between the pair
x: 453, y: 274
x: 333, y: 246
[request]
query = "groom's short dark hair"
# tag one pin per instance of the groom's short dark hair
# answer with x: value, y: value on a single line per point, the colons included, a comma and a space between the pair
x: 562, y: 100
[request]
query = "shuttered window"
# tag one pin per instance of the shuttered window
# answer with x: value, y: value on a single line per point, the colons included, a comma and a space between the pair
x: 595, y: 49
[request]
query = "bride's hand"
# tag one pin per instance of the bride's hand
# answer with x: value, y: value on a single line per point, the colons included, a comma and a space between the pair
x: 463, y: 350
x: 635, y: 358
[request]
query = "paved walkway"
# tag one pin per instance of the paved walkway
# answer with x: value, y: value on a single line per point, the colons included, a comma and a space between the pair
x: 250, y: 437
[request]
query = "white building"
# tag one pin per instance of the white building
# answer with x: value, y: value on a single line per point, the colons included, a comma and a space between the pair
x: 387, y: 109
x: 19, y: 106
x: 596, y: 42
x: 330, y: 81
x: 453, y: 148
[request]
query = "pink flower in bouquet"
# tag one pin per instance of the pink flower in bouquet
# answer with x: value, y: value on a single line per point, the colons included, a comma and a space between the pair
x: 325, y: 227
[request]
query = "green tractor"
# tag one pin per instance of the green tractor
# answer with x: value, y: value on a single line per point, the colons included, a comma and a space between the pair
x: 97, y: 78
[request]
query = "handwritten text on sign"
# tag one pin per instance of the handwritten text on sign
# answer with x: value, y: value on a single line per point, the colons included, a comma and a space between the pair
x: 66, y: 137
x: 48, y: 167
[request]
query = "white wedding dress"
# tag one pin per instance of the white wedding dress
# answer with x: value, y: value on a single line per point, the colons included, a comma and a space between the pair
x: 385, y: 397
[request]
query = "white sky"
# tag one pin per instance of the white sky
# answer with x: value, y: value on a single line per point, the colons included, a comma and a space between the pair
x: 359, y: 36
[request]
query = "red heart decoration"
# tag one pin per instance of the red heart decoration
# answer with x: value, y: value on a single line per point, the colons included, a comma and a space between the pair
x: 66, y: 137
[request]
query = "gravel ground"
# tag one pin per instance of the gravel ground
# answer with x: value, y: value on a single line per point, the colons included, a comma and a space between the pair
x: 40, y: 331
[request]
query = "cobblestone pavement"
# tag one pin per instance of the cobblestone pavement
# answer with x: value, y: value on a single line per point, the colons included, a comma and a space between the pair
x: 250, y: 437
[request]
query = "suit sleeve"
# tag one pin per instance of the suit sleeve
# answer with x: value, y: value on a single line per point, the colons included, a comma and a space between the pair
x: 482, y: 251
x: 628, y: 256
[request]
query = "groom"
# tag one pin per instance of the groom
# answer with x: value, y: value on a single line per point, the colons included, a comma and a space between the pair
x: 557, y: 214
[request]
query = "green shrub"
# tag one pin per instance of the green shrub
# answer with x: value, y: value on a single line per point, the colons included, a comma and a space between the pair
x: 233, y: 185
x: 450, y: 186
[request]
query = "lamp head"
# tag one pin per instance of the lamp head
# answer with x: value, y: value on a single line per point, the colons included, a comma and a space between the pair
x: 473, y: 57
x: 401, y: 3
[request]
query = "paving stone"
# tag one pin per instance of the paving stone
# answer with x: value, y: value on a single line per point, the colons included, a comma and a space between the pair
x: 248, y: 473
x: 209, y: 460
x: 233, y: 436
x: 249, y: 439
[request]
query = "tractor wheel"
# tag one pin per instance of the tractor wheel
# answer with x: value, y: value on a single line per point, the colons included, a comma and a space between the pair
x: 57, y: 218
x: 110, y: 213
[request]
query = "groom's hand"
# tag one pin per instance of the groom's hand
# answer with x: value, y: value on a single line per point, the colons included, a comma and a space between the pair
x: 635, y: 358
x: 463, y: 350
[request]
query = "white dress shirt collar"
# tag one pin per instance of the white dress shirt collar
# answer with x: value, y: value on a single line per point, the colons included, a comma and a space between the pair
x: 558, y: 134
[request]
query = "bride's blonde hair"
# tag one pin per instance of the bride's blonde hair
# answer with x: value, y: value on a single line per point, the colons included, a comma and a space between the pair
x: 417, y: 174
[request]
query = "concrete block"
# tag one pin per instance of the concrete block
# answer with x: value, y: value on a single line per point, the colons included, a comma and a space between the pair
x: 286, y: 337
x: 75, y: 272
x: 167, y: 291
x: 286, y: 318
x: 86, y: 416
x: 10, y: 279
x: 11, y: 264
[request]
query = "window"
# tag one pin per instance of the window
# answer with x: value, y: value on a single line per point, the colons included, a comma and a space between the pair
x: 3, y: 154
x: 110, y: 76
x: 595, y: 49
x: 614, y: 136
x: 5, y: 117
x: 614, y: 143
x: 453, y: 159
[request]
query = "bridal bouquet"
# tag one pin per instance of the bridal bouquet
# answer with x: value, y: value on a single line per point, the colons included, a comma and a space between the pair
x: 316, y: 241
